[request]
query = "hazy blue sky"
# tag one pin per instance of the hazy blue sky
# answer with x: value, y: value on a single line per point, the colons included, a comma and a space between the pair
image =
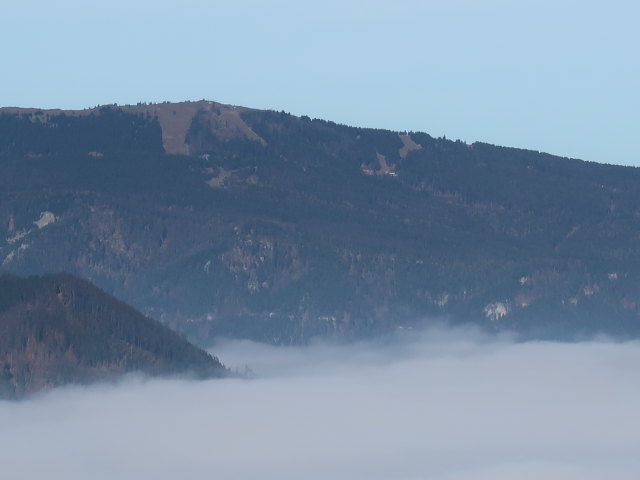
x: 551, y: 75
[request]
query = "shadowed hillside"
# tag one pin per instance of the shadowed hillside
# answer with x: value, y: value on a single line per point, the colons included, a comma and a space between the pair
x: 58, y: 329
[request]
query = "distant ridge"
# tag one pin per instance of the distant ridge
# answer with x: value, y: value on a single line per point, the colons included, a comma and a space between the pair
x: 175, y: 119
x: 59, y: 329
x: 223, y: 220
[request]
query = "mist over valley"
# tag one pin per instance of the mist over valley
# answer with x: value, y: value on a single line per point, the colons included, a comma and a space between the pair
x: 441, y: 404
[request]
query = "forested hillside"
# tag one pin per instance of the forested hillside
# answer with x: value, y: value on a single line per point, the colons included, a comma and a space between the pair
x: 58, y: 329
x: 229, y: 221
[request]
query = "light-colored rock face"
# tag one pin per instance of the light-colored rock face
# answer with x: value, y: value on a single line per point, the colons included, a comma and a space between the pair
x: 13, y: 254
x: 442, y: 300
x: 46, y: 218
x: 17, y: 236
x: 495, y: 311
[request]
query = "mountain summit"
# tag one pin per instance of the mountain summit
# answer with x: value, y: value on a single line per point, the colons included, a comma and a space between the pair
x: 223, y: 220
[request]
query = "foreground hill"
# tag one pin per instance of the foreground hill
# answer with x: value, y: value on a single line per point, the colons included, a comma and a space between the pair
x: 230, y: 221
x: 58, y: 329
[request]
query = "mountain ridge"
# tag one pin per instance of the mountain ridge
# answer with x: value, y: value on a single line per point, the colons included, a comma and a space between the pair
x: 173, y: 136
x: 280, y: 228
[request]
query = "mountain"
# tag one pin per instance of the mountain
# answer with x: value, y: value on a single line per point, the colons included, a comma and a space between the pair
x: 59, y: 329
x: 223, y: 220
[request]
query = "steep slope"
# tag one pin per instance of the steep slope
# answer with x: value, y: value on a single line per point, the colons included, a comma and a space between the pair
x: 259, y: 224
x: 58, y: 329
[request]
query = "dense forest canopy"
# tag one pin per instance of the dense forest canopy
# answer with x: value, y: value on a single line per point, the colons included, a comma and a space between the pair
x: 256, y: 224
x: 58, y: 329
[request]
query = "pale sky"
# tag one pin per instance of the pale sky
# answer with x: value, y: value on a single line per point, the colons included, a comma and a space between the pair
x: 559, y: 76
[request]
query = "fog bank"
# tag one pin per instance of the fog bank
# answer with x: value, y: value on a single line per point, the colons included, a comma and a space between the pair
x: 444, y: 405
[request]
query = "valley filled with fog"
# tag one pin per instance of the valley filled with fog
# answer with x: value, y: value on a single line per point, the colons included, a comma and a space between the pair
x: 440, y: 404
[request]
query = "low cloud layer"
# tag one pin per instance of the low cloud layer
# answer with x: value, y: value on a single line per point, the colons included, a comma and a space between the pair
x: 443, y: 405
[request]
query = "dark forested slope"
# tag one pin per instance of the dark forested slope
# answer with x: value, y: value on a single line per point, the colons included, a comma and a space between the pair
x: 229, y: 221
x: 58, y: 329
